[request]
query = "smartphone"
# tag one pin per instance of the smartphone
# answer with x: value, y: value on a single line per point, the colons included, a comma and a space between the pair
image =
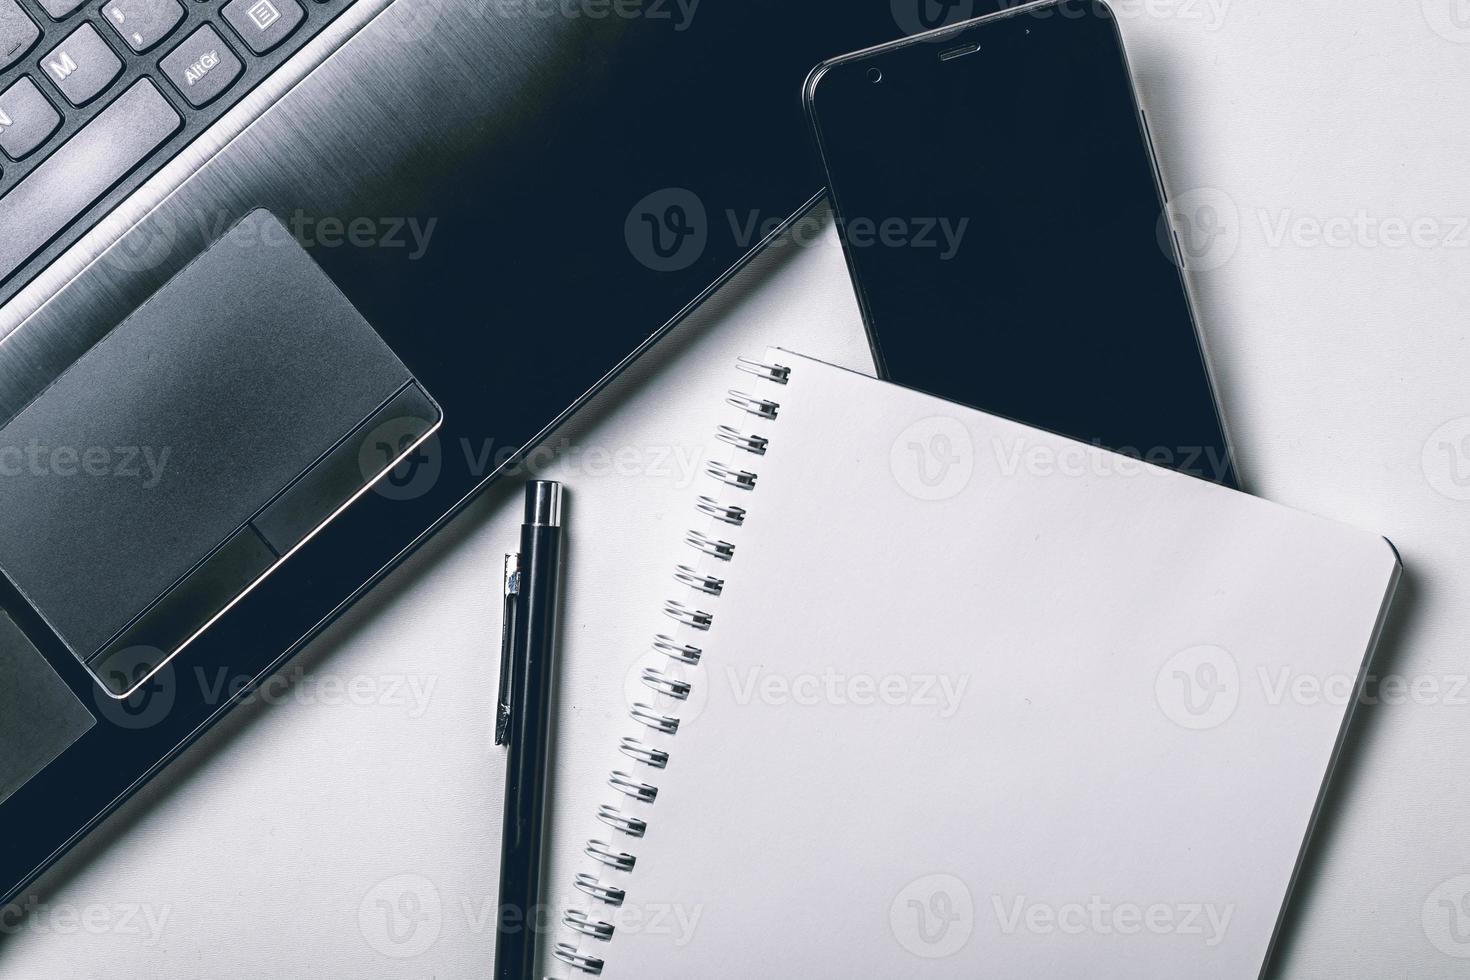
x: 1008, y: 235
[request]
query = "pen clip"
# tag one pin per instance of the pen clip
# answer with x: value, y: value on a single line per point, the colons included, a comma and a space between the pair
x: 504, y: 702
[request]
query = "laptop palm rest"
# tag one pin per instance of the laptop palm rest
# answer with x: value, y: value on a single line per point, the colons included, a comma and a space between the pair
x: 188, y: 453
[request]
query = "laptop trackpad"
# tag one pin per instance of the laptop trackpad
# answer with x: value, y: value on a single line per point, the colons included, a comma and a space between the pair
x: 186, y: 454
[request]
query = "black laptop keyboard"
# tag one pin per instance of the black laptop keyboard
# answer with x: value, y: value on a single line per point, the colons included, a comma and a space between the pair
x: 95, y: 96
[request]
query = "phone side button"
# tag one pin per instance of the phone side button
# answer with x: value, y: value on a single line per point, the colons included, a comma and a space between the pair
x: 1153, y: 156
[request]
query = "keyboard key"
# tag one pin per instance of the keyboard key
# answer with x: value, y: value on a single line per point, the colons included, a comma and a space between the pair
x: 143, y: 23
x: 26, y: 119
x: 202, y: 67
x: 263, y: 24
x: 17, y: 33
x: 82, y: 65
x: 60, y: 8
x: 81, y: 170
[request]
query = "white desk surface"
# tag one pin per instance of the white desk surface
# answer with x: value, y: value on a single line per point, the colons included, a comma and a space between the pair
x: 347, y: 828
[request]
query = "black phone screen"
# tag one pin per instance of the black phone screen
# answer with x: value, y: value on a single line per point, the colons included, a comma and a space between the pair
x: 1005, y: 229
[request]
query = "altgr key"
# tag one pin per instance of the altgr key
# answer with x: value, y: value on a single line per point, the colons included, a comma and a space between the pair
x: 202, y: 67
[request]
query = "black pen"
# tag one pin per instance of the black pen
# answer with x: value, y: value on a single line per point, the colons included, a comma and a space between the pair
x: 523, y: 724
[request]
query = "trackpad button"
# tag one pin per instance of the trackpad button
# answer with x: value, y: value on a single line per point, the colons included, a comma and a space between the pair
x: 132, y: 482
x: 39, y: 716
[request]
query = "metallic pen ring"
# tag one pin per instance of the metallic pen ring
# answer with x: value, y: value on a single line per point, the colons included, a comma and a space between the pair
x: 682, y: 652
x: 568, y: 954
x: 645, y: 715
x: 628, y: 786
x: 729, y: 514
x: 614, y: 818
x: 603, y: 893
x: 664, y: 684
x: 579, y: 921
x: 603, y: 852
x: 697, y: 618
x: 723, y: 550
x: 732, y: 436
x: 698, y: 580
x: 649, y: 756
x: 740, y: 479
x: 763, y: 407
x: 770, y: 372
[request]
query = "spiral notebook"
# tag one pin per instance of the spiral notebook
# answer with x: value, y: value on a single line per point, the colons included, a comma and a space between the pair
x: 934, y: 694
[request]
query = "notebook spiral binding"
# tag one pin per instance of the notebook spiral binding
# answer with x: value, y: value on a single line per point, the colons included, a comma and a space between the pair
x: 667, y: 690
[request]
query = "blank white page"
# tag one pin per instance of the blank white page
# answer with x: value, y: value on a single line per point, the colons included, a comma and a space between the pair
x: 980, y: 701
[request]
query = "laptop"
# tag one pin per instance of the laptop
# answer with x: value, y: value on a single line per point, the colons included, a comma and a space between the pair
x: 284, y: 283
